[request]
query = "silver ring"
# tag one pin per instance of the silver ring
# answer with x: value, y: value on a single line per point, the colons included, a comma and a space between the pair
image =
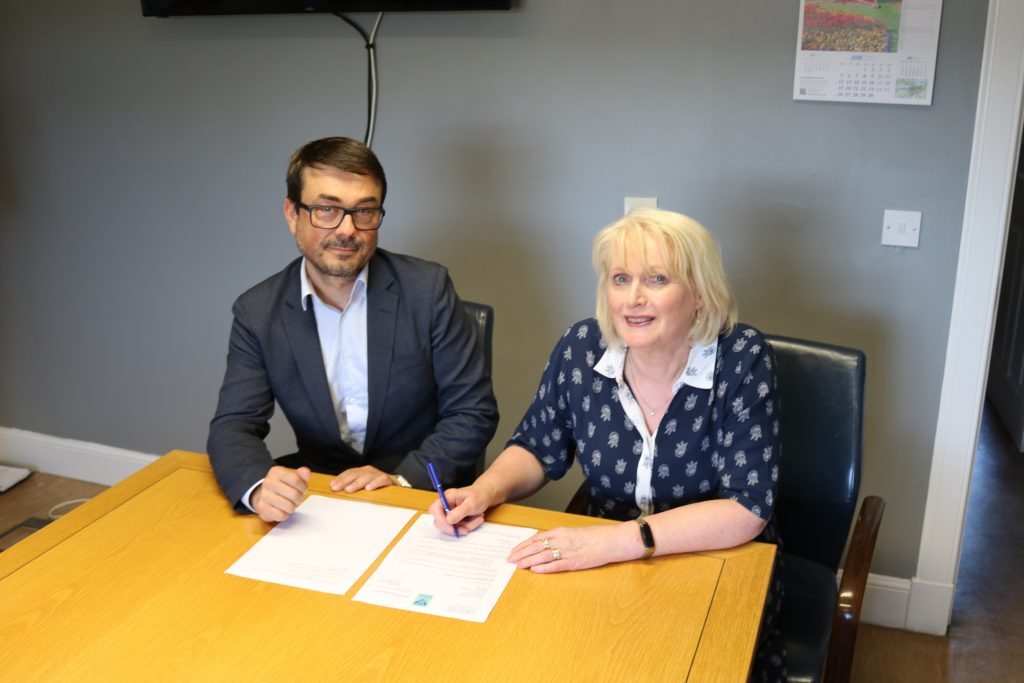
x: 556, y: 554
x: 547, y: 543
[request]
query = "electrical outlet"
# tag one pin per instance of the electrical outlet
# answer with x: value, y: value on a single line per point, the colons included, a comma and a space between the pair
x: 636, y: 202
x: 901, y: 228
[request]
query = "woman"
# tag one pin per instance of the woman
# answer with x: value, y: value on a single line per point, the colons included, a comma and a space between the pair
x: 668, y: 404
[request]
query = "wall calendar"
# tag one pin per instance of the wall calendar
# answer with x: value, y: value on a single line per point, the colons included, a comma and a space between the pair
x: 880, y: 51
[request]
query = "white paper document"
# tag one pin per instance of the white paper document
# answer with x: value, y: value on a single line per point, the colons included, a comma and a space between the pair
x: 433, y: 573
x: 326, y: 545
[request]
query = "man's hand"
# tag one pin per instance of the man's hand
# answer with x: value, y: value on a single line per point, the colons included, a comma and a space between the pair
x: 280, y: 493
x: 359, y: 478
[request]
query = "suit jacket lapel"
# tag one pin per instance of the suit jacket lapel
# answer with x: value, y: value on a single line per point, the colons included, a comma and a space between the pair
x: 381, y: 322
x: 300, y: 326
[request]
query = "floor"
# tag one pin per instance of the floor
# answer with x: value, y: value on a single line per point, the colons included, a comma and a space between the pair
x: 28, y: 505
x: 985, y: 640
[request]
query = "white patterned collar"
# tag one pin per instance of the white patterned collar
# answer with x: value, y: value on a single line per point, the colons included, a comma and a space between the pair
x: 699, y: 372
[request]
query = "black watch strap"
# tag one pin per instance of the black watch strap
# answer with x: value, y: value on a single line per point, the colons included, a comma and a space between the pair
x: 647, y: 537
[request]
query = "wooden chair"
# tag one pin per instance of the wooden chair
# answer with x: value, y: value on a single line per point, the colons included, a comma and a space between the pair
x: 846, y: 619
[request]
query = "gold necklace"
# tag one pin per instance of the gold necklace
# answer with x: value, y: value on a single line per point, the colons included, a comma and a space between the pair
x: 640, y: 402
x: 653, y: 411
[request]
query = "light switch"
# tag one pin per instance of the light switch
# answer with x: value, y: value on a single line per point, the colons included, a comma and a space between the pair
x: 636, y: 202
x: 901, y: 228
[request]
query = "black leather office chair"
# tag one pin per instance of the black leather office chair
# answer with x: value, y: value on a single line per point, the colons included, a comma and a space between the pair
x: 483, y: 316
x: 821, y: 397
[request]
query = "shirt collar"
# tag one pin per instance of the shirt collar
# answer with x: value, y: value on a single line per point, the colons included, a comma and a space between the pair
x: 699, y: 372
x: 306, y: 287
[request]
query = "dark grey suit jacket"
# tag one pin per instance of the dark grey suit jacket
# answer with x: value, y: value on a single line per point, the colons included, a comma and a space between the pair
x: 429, y: 393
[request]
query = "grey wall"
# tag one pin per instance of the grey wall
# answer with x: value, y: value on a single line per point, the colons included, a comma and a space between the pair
x: 141, y: 179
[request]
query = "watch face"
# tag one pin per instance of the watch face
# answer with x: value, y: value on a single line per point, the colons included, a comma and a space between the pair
x: 645, y: 534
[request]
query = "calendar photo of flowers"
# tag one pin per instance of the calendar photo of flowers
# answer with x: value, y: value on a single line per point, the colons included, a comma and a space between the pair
x: 852, y: 25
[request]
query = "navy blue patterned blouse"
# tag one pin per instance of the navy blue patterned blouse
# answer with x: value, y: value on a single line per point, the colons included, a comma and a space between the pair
x: 719, y: 437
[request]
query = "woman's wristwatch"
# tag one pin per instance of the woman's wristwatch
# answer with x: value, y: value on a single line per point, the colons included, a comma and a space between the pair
x: 647, y: 537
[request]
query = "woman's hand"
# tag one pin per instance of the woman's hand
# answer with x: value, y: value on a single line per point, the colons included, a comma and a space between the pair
x: 568, y: 549
x: 468, y: 506
x: 513, y: 475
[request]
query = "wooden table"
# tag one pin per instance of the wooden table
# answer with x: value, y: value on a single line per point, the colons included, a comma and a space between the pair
x: 131, y: 586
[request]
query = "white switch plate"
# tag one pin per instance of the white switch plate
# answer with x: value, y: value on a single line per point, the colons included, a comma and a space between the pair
x: 636, y: 202
x: 901, y: 228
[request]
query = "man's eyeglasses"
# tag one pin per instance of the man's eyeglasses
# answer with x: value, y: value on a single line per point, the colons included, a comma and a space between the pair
x: 329, y: 217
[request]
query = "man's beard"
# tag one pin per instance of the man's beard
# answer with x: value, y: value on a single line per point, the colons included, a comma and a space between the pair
x: 346, y: 269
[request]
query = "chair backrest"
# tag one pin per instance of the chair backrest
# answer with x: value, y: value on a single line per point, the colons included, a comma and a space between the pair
x: 483, y: 316
x: 821, y: 397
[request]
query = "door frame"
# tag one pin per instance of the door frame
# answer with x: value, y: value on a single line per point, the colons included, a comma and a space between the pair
x: 997, y: 134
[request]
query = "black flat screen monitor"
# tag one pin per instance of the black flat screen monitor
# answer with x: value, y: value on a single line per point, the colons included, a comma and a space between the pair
x: 175, y: 8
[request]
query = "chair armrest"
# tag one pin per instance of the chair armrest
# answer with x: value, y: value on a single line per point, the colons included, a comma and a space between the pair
x: 851, y: 590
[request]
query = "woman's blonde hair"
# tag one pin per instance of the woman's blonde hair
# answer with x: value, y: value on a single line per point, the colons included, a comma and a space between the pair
x: 689, y: 252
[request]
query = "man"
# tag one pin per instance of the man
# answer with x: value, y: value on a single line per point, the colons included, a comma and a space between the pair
x: 369, y: 353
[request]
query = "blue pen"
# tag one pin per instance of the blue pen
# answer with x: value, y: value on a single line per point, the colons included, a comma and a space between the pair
x: 440, y: 491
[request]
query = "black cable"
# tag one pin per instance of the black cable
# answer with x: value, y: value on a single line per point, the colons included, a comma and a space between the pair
x: 371, y: 85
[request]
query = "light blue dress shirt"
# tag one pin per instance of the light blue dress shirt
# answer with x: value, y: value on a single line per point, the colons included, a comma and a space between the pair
x: 343, y: 346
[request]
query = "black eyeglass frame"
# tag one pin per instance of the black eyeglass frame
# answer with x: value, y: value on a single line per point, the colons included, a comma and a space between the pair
x: 344, y: 212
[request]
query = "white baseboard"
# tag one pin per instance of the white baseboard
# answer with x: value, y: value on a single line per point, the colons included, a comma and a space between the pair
x: 931, y: 604
x: 69, y: 458
x: 885, y: 601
